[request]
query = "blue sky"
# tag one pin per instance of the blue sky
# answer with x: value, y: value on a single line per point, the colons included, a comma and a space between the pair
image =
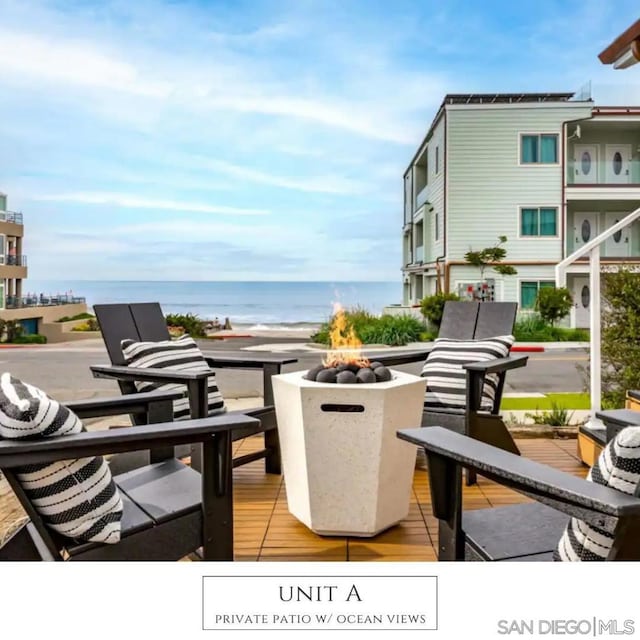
x: 255, y: 140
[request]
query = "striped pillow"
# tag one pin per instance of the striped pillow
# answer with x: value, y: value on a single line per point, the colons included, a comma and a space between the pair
x: 618, y: 467
x: 446, y: 377
x: 77, y: 498
x: 182, y: 354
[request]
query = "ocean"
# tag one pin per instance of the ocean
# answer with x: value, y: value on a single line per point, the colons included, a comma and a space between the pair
x: 247, y: 304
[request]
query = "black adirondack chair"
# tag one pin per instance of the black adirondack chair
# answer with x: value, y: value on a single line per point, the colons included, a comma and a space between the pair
x: 146, y: 322
x: 472, y: 321
x: 526, y: 532
x: 170, y: 510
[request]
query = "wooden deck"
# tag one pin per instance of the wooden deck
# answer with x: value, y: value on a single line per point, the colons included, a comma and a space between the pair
x: 266, y: 531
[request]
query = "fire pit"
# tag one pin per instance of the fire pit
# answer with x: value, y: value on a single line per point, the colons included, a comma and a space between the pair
x: 346, y: 472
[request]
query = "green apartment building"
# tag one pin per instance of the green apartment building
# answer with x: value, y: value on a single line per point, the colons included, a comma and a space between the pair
x: 548, y: 170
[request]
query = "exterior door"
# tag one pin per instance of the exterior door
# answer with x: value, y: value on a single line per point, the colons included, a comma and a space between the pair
x: 581, y: 301
x: 618, y: 244
x: 585, y: 228
x: 618, y: 163
x: 585, y: 164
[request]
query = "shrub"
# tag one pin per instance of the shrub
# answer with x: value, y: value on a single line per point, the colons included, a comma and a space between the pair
x: 557, y: 417
x: 553, y: 303
x: 192, y: 325
x: 620, y: 336
x: 370, y: 329
x: 532, y: 328
x: 90, y: 325
x: 31, y: 338
x: 79, y: 316
x: 432, y: 307
x: 10, y: 330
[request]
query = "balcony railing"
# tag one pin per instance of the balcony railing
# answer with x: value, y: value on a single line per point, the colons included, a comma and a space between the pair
x: 423, y: 196
x: 615, y: 172
x: 13, y: 302
x: 13, y: 261
x: 11, y: 216
x: 420, y: 253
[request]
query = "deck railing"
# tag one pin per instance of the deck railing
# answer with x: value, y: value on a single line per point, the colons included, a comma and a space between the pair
x: 592, y: 250
x: 13, y: 302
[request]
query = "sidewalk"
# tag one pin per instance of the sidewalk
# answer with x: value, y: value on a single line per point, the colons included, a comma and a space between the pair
x: 522, y: 347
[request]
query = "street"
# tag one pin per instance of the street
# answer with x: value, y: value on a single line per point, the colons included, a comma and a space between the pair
x: 63, y: 371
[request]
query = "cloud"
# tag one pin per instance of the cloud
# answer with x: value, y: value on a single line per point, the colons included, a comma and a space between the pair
x: 135, y: 202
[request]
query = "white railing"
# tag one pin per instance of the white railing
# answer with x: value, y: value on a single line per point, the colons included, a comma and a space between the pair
x: 592, y: 249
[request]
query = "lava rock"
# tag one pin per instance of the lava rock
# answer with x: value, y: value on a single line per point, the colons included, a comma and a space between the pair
x: 343, y: 366
x: 312, y: 374
x: 375, y: 365
x: 346, y: 377
x: 382, y: 374
x: 365, y: 375
x: 327, y: 375
x: 353, y: 367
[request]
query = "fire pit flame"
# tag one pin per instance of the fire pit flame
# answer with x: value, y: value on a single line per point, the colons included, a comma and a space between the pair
x: 345, y: 344
x: 344, y: 362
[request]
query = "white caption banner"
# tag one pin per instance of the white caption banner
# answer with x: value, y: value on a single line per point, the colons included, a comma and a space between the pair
x: 320, y: 602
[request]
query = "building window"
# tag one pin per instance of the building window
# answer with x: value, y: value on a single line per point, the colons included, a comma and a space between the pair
x: 539, y: 221
x: 539, y: 148
x: 529, y: 292
x: 437, y: 160
x: 436, y: 227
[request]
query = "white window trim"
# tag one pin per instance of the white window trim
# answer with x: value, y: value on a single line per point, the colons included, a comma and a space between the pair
x: 520, y: 207
x: 539, y: 164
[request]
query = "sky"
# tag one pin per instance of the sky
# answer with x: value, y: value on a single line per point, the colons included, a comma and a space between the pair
x: 251, y: 139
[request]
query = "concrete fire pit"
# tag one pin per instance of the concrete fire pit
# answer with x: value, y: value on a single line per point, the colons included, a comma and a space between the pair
x: 346, y: 472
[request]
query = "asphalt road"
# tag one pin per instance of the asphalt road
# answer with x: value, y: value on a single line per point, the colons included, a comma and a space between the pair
x: 63, y: 371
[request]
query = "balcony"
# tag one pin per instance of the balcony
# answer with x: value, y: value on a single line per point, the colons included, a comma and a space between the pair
x: 13, y: 302
x: 11, y: 216
x: 420, y: 253
x: 423, y: 196
x: 11, y: 260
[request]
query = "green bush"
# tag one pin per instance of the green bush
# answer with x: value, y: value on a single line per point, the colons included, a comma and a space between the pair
x: 370, y: 329
x: 557, y: 417
x: 553, y: 303
x: 31, y: 338
x: 192, y: 324
x: 620, y: 336
x: 79, y: 316
x: 532, y: 328
x: 90, y: 325
x: 432, y: 307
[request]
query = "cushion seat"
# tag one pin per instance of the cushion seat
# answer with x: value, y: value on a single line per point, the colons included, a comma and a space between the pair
x: 159, y: 494
x: 497, y: 534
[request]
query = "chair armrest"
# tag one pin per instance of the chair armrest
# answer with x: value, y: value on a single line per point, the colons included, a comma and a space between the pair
x: 245, y: 360
x: 526, y: 476
x: 498, y: 365
x: 131, y: 403
x: 146, y: 375
x: 398, y: 358
x: 91, y: 443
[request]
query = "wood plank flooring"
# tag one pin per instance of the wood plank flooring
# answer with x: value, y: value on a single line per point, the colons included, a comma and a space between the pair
x: 266, y: 532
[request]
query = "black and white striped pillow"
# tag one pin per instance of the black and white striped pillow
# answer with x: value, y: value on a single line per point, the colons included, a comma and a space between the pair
x: 446, y: 377
x: 77, y: 498
x: 182, y: 354
x: 618, y: 466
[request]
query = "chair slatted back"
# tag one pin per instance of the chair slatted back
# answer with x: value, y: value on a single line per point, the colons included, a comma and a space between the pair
x: 495, y: 319
x: 116, y: 324
x: 459, y: 320
x: 150, y: 321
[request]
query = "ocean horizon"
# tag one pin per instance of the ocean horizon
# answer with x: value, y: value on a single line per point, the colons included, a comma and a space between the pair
x: 256, y: 304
